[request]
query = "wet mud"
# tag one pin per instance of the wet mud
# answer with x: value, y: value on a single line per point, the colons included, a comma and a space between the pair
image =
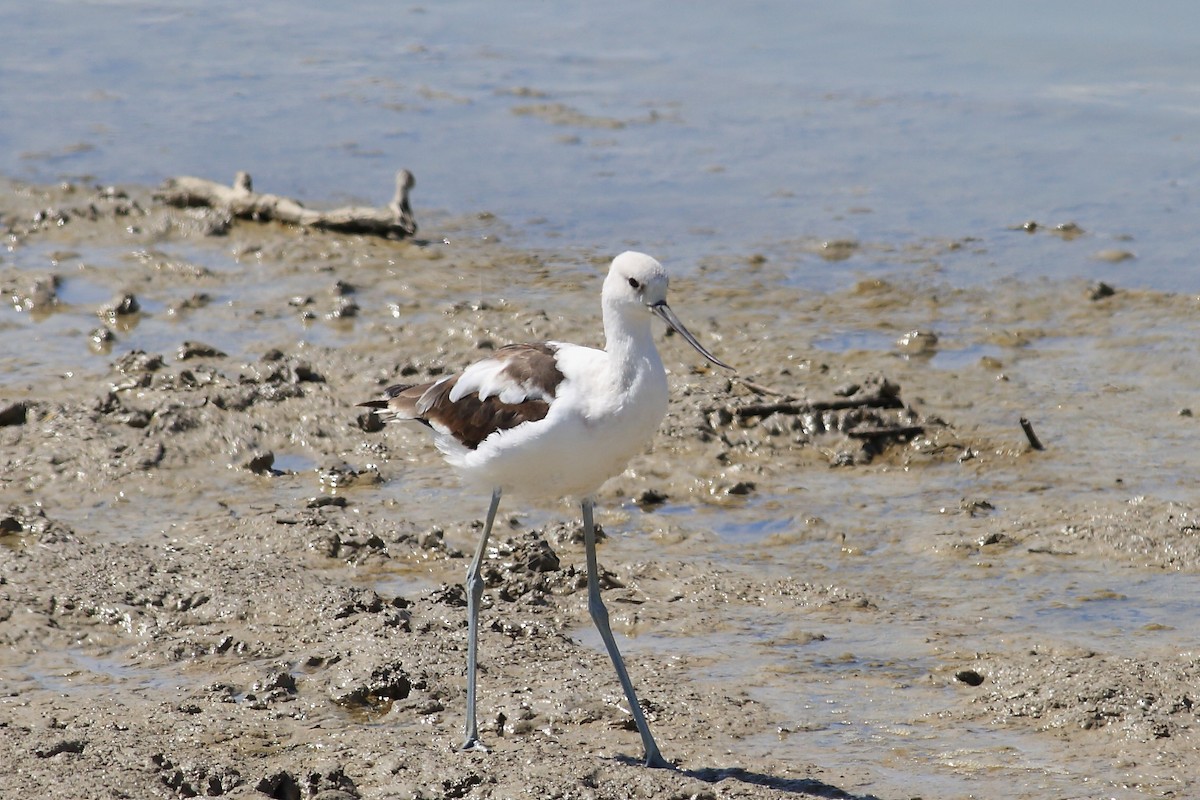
x: 844, y: 572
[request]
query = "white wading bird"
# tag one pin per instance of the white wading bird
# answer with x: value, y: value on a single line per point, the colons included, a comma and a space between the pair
x: 551, y: 420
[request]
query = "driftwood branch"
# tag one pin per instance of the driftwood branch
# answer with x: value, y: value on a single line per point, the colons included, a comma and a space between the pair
x: 883, y: 398
x: 240, y: 200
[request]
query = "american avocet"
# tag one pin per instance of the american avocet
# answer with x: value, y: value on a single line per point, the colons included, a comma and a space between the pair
x: 551, y: 420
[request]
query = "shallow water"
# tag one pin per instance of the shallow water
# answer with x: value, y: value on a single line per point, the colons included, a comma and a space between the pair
x: 734, y: 129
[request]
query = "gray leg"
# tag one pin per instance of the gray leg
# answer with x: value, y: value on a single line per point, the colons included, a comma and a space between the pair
x: 600, y: 617
x: 474, y: 595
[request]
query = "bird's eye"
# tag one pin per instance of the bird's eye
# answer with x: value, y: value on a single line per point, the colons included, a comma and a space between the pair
x: 634, y: 283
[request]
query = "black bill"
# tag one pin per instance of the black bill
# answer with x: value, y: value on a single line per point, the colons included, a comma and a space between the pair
x: 664, y: 312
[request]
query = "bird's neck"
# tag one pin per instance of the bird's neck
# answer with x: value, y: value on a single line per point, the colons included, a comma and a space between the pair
x: 629, y: 342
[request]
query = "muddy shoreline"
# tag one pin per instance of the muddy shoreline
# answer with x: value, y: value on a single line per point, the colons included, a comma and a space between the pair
x: 216, y: 579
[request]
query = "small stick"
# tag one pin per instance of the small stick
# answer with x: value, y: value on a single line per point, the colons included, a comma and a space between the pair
x: 1034, y: 442
x: 759, y: 388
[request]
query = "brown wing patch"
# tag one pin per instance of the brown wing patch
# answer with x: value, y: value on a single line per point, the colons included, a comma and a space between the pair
x: 531, y: 365
x: 469, y: 419
x: 472, y: 420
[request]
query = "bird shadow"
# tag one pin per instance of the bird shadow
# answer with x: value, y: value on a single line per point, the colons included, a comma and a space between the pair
x: 806, y: 786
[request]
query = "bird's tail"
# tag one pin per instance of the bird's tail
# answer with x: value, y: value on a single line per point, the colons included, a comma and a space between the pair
x: 398, y: 402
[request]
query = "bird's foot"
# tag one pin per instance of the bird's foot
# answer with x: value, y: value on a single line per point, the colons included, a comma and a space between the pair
x: 654, y: 760
x: 474, y: 745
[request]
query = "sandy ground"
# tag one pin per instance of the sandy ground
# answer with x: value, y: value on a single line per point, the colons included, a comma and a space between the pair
x: 217, y: 578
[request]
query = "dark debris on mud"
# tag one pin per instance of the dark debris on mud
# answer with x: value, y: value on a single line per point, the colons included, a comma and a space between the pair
x: 854, y: 426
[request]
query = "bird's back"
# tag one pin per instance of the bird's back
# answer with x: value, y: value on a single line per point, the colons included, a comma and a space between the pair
x: 545, y: 420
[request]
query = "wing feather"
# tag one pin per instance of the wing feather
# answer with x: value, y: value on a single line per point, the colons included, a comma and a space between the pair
x: 514, y: 386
